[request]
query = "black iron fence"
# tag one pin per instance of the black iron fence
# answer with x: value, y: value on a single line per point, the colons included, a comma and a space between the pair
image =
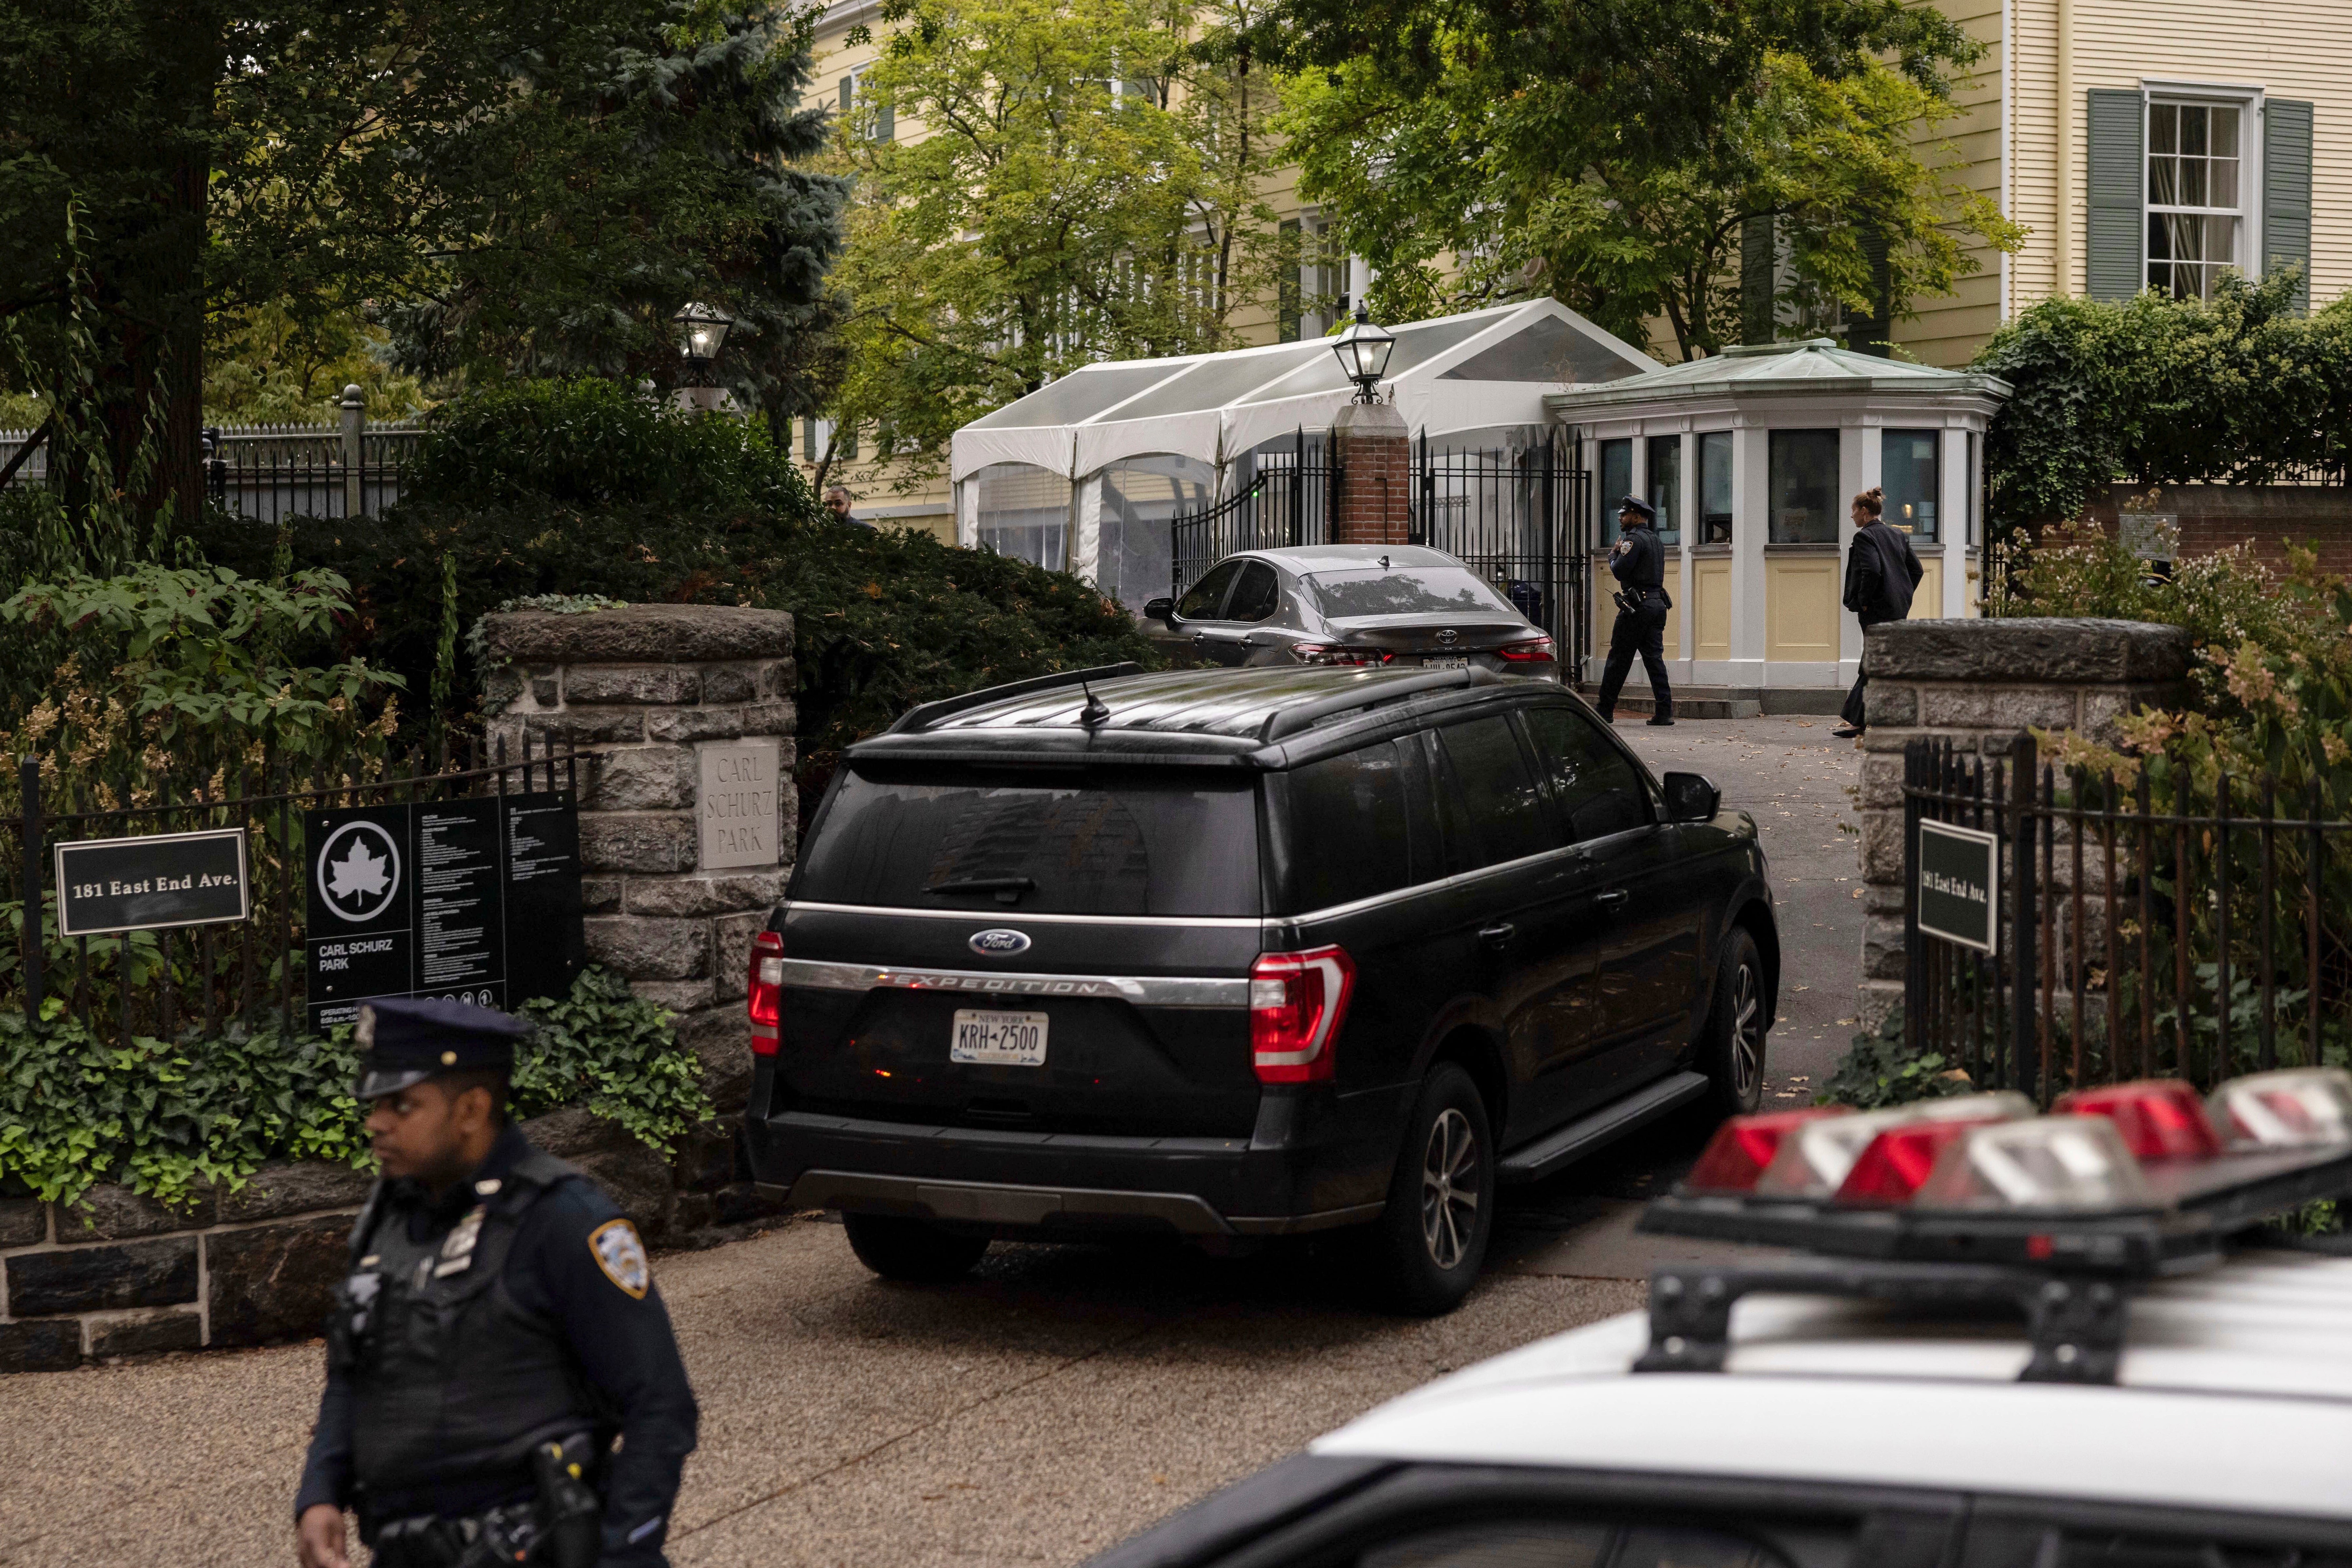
x: 159, y: 981
x: 270, y: 472
x: 1284, y: 499
x: 2196, y: 933
x: 1519, y: 517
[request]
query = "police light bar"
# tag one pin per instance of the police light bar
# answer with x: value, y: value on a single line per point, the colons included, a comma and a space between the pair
x: 2158, y: 1118
x: 1743, y: 1147
x: 2294, y: 1107
x: 1815, y: 1159
x: 2051, y: 1163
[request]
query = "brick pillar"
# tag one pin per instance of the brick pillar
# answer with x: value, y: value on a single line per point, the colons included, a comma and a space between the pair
x: 1980, y: 684
x: 1375, y: 475
x: 657, y: 685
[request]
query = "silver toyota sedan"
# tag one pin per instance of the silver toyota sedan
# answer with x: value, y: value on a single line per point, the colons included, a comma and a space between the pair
x: 1355, y: 605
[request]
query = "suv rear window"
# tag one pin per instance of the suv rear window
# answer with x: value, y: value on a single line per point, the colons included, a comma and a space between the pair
x: 1406, y: 591
x: 1168, y: 843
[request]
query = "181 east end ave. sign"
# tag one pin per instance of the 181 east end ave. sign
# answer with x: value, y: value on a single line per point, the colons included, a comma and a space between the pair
x: 1958, y: 895
x: 141, y: 884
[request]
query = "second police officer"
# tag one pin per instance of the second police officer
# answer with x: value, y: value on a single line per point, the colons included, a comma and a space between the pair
x: 497, y: 1331
x: 1638, y: 561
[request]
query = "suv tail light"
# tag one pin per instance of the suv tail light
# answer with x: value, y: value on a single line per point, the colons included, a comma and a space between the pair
x: 1815, y: 1159
x: 1742, y: 1147
x: 2079, y: 1162
x: 1533, y: 650
x: 2294, y: 1107
x: 1297, y: 1002
x: 2158, y: 1117
x: 764, y: 997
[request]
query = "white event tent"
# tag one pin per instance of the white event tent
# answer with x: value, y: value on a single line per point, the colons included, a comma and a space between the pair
x: 1086, y: 472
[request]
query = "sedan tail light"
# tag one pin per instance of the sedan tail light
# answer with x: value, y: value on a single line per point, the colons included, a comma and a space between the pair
x: 764, y: 998
x: 1533, y: 650
x: 1297, y: 1002
x: 1336, y: 653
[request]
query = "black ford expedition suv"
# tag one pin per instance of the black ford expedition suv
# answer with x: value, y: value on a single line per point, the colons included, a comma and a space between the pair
x: 1241, y: 954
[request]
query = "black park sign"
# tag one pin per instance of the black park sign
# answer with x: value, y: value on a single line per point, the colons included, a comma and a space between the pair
x: 143, y: 883
x: 1958, y: 897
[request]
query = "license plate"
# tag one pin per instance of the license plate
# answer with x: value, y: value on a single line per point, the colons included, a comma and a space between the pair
x: 1454, y: 661
x: 1002, y: 1039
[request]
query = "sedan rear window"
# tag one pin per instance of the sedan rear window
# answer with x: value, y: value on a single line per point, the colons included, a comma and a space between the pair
x: 1131, y: 844
x: 1405, y: 591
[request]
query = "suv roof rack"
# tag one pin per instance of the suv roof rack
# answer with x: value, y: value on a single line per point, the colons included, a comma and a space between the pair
x: 923, y: 715
x: 1290, y: 721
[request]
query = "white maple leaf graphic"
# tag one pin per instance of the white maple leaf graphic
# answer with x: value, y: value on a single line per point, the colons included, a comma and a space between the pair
x: 357, y: 872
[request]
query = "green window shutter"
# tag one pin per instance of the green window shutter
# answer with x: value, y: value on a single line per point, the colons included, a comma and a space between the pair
x: 1286, y: 302
x: 886, y: 122
x: 1756, y: 291
x: 2113, y: 265
x: 808, y: 439
x: 848, y: 95
x: 2286, y: 191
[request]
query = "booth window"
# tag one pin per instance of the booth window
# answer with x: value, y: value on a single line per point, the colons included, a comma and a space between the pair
x: 1715, y: 488
x: 1802, y: 499
x: 1910, y: 473
x: 1666, y: 486
x: 1616, y: 484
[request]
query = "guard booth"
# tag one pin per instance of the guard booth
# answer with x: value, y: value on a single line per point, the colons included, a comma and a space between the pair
x: 1751, y: 458
x: 1092, y: 472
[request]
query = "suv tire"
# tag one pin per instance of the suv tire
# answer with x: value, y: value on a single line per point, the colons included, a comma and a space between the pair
x: 1731, y: 1044
x: 914, y: 1250
x: 1428, y: 1245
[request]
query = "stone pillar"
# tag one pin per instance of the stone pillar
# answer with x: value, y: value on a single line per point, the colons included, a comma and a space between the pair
x: 1375, y: 475
x: 1981, y: 684
x: 687, y: 831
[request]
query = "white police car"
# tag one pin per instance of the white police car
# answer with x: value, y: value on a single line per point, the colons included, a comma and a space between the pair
x: 2158, y: 1389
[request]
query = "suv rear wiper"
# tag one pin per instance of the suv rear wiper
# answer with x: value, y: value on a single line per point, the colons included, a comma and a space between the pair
x: 1008, y: 889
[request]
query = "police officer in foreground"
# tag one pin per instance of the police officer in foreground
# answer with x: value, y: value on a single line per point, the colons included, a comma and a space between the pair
x: 497, y: 1331
x: 1638, y: 561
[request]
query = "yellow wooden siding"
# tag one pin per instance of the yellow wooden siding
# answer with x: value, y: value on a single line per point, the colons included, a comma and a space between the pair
x: 1928, y: 598
x: 1949, y: 331
x: 1801, y: 609
x: 1711, y: 608
x: 2292, y: 48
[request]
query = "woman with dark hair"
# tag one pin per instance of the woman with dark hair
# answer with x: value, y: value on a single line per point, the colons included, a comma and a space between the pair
x: 1880, y: 572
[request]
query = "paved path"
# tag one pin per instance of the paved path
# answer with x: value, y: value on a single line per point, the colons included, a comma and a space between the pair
x: 1059, y: 1400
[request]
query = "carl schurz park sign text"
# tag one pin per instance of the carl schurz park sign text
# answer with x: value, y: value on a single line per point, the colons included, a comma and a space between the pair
x: 161, y: 879
x: 474, y: 901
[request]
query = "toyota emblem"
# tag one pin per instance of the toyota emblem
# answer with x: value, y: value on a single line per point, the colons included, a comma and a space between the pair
x: 1448, y: 637
x: 1000, y: 943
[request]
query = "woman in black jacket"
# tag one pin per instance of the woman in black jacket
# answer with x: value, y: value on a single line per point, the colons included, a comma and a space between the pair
x: 1880, y: 572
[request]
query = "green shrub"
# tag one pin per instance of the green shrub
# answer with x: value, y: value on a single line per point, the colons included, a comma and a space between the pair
x: 2156, y: 389
x: 166, y: 1117
x: 1878, y: 1070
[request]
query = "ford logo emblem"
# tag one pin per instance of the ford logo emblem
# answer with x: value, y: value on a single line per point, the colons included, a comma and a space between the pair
x: 1000, y: 941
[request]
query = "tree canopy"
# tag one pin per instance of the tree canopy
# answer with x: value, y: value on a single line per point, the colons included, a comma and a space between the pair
x: 513, y: 186
x: 1613, y: 152
x: 1087, y: 184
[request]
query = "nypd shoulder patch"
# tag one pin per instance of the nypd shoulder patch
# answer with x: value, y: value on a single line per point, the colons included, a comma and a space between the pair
x: 622, y: 1255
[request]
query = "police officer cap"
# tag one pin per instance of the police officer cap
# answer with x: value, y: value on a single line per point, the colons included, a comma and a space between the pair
x: 409, y: 1040
x: 1635, y: 503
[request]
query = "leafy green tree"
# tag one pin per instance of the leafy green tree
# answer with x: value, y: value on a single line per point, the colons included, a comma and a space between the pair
x: 1081, y: 183
x: 1499, y: 151
x: 540, y: 185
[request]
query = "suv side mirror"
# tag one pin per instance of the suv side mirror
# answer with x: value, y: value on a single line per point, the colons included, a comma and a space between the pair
x: 1691, y: 797
x: 1161, y: 609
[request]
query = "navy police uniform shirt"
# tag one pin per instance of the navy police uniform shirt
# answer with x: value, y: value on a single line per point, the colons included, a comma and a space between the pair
x: 1637, y: 558
x: 576, y: 1260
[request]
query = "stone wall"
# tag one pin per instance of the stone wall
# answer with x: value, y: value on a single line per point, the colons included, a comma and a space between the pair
x: 1981, y: 684
x: 660, y: 689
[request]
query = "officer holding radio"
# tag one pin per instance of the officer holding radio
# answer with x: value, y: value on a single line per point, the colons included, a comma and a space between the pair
x: 1638, y: 561
x: 497, y: 1331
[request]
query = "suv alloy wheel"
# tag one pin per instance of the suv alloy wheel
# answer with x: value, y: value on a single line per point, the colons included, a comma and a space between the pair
x: 1731, y: 1046
x: 1427, y: 1246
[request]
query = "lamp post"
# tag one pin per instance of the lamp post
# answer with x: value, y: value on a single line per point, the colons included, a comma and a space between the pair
x: 702, y: 331
x: 1363, y: 349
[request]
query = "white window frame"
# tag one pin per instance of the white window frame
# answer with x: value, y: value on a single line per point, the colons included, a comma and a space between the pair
x: 2247, y: 98
x: 855, y: 76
